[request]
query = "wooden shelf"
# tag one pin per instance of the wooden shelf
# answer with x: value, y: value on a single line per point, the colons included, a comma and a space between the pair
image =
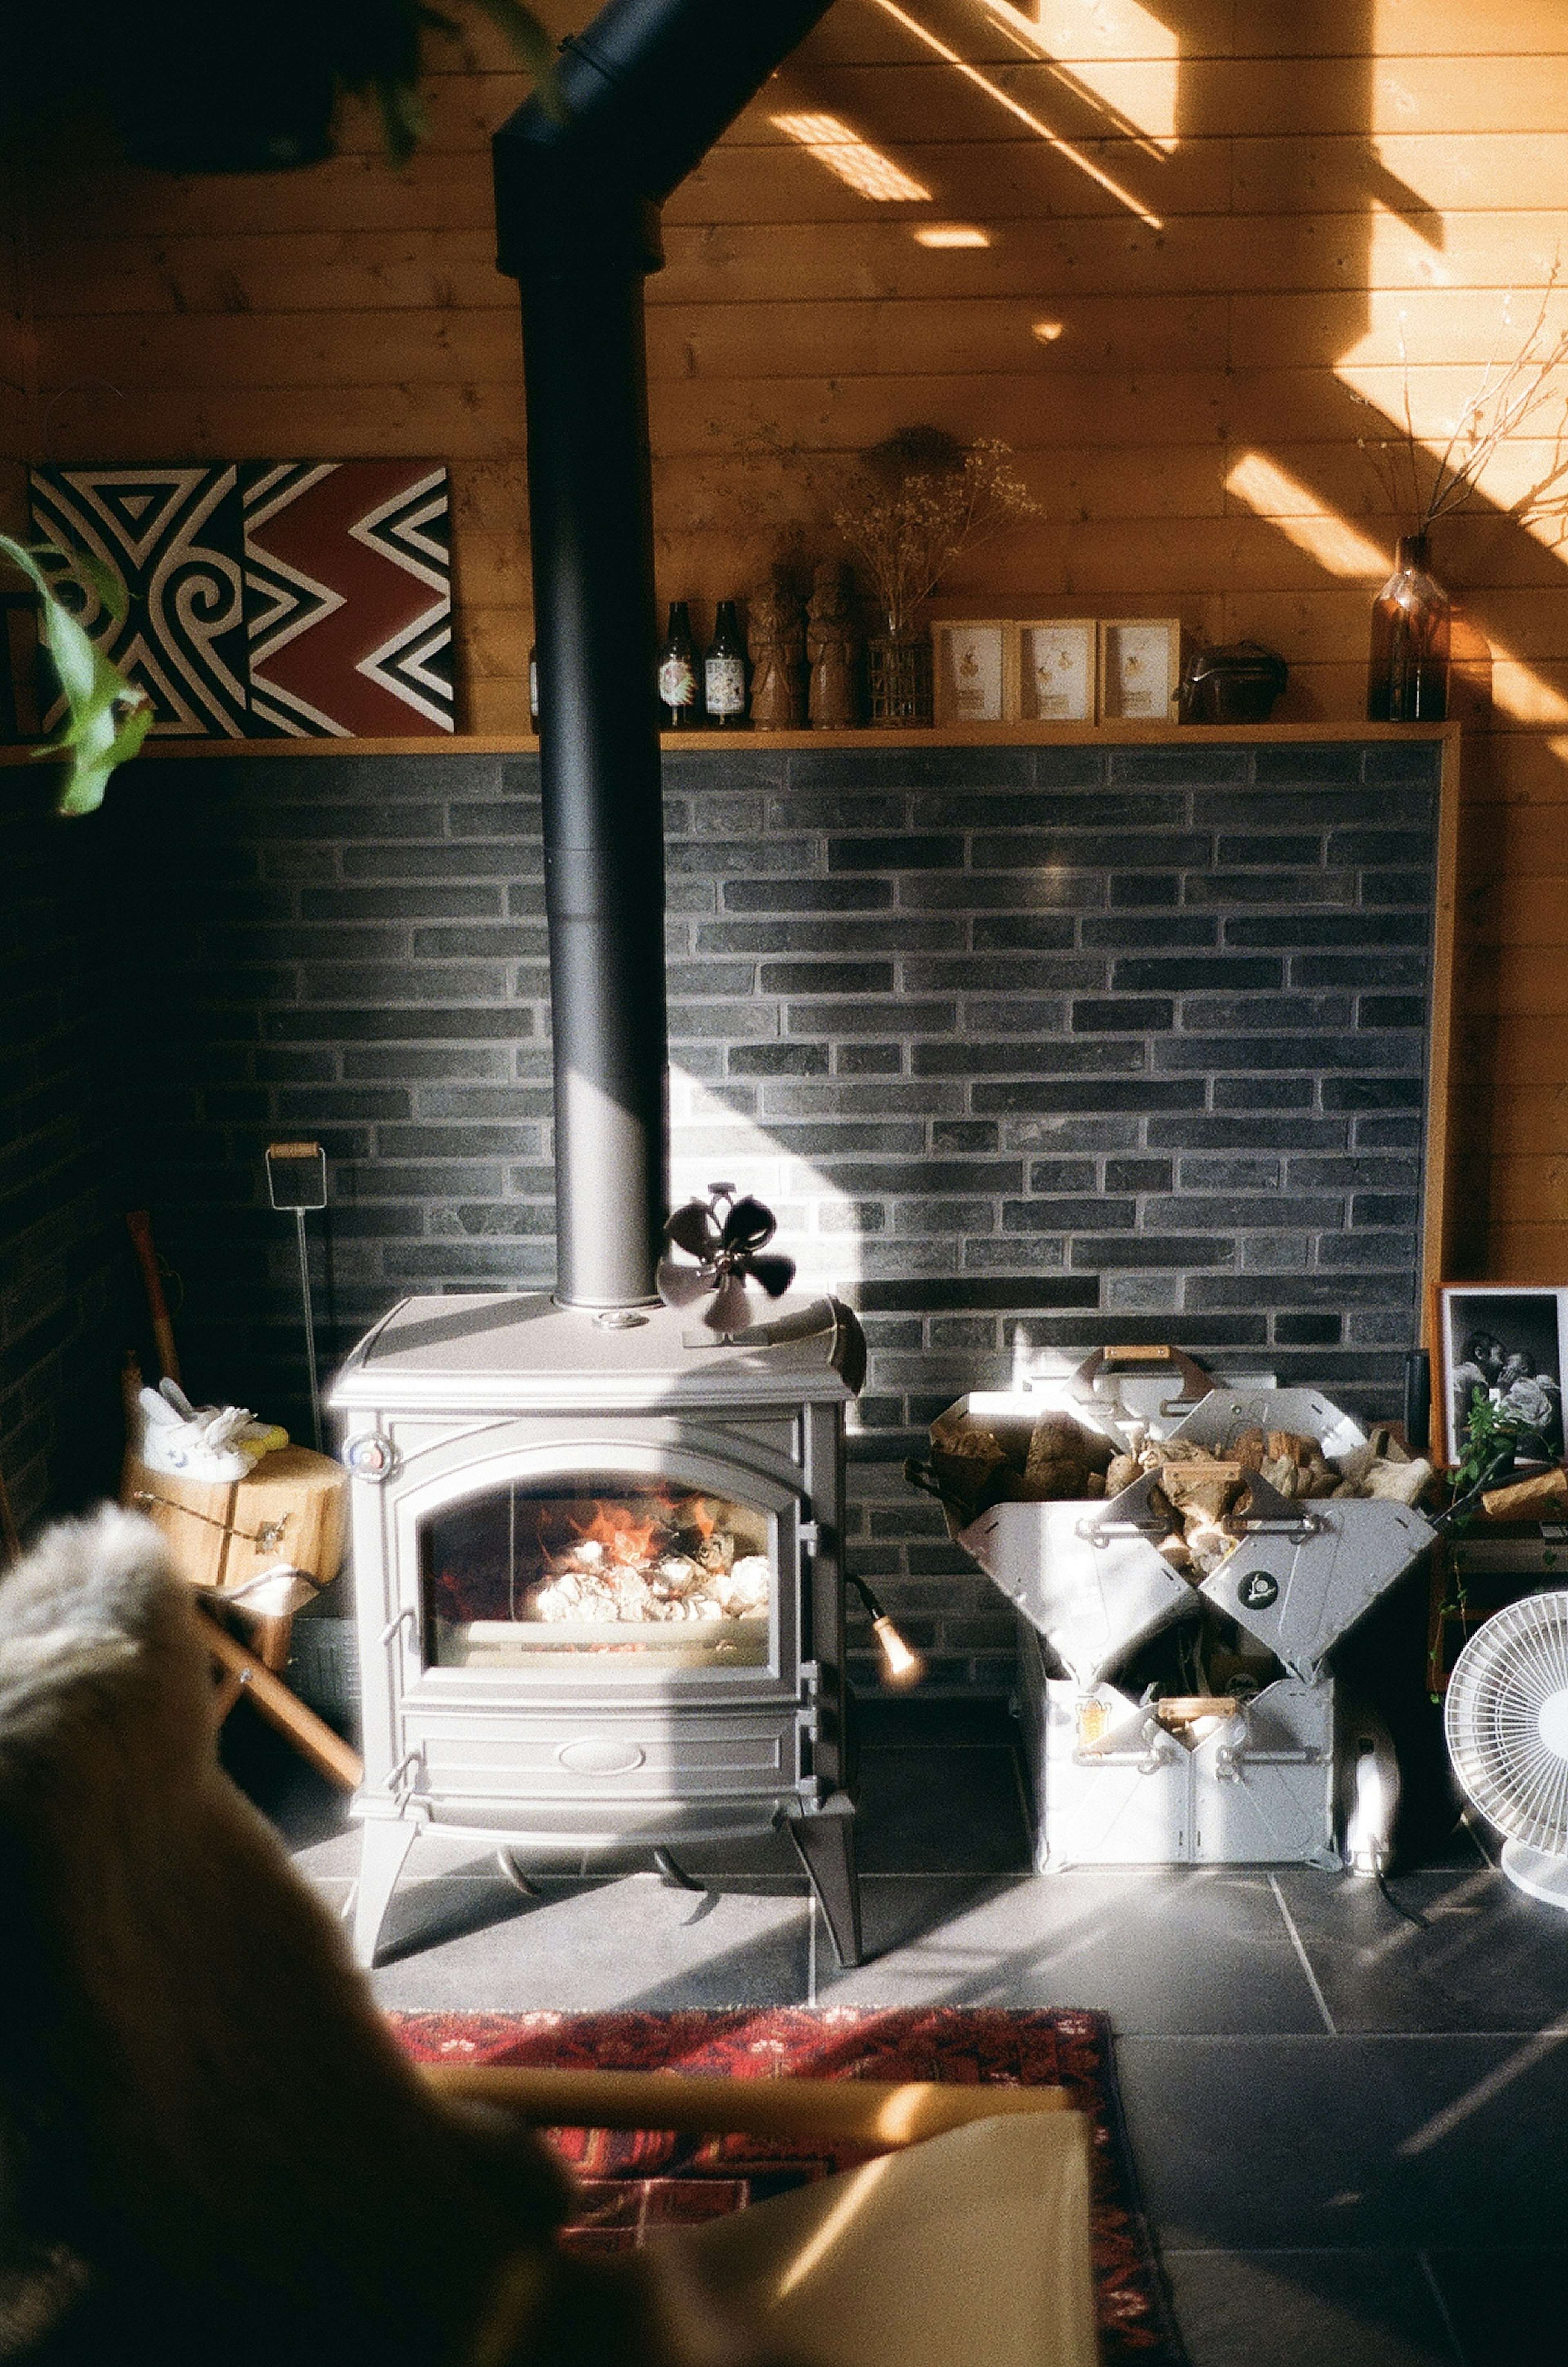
x: 719, y: 743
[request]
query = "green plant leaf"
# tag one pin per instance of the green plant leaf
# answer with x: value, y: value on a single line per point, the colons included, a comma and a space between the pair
x: 533, y: 45
x: 106, y: 716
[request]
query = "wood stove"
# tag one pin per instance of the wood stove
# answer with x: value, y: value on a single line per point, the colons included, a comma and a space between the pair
x: 599, y: 1590
x: 596, y: 1546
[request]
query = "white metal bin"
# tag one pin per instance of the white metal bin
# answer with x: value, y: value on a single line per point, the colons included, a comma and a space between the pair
x: 1122, y: 1781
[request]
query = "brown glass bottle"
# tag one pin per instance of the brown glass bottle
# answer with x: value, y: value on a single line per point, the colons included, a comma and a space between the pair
x: 1407, y: 678
x: 678, y: 707
x: 724, y: 672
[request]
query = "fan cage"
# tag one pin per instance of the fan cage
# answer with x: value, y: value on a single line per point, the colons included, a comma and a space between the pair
x: 1506, y: 1674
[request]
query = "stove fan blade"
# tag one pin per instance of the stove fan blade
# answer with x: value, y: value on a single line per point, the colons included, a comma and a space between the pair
x: 775, y: 1274
x: 679, y: 1285
x: 731, y: 1309
x: 749, y: 1227
x: 693, y: 1230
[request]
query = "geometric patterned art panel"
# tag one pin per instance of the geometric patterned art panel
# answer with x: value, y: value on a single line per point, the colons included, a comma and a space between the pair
x: 173, y: 537
x: 348, y: 597
x: 268, y: 598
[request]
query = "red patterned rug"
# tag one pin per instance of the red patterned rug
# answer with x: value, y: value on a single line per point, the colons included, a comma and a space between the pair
x: 640, y: 2177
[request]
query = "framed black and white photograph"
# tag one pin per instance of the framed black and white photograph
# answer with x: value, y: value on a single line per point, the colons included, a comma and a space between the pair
x: 1509, y: 1342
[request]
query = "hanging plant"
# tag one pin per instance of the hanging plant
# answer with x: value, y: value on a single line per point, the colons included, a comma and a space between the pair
x: 191, y: 87
x: 107, y: 717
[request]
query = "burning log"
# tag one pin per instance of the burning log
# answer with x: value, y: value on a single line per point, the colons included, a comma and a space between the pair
x: 637, y: 1566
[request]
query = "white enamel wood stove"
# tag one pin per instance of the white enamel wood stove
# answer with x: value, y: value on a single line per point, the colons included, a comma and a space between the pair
x: 600, y: 1596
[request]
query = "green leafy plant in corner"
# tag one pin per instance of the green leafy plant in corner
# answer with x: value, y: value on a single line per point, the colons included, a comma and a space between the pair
x: 1492, y: 1437
x: 107, y: 717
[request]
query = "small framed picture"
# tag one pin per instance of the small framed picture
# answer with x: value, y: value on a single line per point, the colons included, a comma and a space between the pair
x: 1140, y: 669
x: 1507, y: 1343
x: 973, y: 676
x: 1055, y: 671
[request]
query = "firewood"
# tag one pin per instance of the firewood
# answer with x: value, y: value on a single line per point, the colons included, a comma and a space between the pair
x: 1543, y: 1496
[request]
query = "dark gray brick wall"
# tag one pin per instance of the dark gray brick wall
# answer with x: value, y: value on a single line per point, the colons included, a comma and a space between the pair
x: 62, y: 1249
x: 1031, y: 1049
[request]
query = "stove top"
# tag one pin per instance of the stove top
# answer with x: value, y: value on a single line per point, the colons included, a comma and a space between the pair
x: 491, y: 1351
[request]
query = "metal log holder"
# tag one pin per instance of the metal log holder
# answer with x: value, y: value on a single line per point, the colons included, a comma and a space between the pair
x: 1113, y: 1781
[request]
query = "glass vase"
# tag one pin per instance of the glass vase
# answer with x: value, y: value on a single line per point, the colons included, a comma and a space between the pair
x: 1407, y: 679
x: 900, y: 679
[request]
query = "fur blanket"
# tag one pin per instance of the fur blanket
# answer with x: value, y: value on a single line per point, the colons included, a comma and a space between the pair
x: 210, y: 2148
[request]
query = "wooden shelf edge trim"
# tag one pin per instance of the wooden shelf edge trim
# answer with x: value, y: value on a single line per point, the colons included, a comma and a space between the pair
x: 724, y: 743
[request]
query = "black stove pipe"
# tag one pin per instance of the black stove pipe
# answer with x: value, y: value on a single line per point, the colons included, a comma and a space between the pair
x: 646, y: 91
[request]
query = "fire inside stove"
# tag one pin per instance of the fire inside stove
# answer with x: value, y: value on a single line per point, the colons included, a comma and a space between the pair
x: 608, y: 1565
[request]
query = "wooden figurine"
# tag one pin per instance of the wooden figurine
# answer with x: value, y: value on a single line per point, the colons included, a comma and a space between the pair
x: 831, y: 648
x: 775, y: 635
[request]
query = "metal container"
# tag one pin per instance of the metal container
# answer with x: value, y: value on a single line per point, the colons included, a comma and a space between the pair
x: 1116, y: 1781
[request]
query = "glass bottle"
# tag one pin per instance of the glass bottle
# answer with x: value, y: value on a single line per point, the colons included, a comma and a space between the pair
x: 678, y: 672
x: 724, y: 672
x: 1407, y: 679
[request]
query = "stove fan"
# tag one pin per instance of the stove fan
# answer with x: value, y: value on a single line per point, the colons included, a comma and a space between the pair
x: 726, y: 1236
x: 1506, y: 1718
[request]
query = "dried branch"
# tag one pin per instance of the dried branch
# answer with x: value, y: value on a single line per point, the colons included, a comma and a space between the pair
x: 1509, y: 394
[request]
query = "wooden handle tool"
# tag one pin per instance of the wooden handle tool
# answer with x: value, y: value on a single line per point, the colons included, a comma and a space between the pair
x: 139, y: 1225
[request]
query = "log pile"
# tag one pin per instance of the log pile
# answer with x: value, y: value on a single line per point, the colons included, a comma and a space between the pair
x: 1052, y: 1459
x: 1199, y: 1496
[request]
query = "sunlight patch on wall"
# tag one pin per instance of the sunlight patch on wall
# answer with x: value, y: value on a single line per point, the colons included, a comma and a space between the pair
x: 866, y: 170
x: 710, y: 1143
x: 1298, y: 515
x: 1064, y: 148
x: 1112, y: 53
x: 1520, y: 694
x: 951, y: 234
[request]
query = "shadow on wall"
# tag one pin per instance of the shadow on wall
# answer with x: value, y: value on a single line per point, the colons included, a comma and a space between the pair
x: 1335, y: 255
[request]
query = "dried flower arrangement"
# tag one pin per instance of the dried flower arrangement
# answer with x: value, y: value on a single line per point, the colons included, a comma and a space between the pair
x: 1421, y: 485
x: 927, y: 498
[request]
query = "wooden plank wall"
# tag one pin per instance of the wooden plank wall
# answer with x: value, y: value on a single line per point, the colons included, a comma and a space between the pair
x: 1211, y: 226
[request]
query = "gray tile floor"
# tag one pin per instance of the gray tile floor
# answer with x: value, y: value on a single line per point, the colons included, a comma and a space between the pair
x: 1350, y: 2127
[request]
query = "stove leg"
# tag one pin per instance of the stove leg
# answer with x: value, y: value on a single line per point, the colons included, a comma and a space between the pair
x: 825, y: 1845
x: 383, y: 1846
x: 506, y: 1863
x: 675, y: 1875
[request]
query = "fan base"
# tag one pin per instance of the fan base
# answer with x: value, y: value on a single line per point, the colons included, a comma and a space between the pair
x: 1539, y: 1871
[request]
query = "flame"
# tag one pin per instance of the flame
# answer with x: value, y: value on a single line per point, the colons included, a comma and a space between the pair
x: 623, y: 1536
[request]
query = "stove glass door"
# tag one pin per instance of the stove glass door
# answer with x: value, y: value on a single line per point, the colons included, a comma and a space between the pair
x: 602, y: 1569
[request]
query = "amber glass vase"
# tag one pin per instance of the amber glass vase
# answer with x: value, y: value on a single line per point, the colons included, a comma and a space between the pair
x: 1407, y: 679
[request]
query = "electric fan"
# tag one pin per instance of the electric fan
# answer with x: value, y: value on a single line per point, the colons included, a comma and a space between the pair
x: 1506, y: 1721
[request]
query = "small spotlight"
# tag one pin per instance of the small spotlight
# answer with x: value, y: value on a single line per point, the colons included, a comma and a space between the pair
x: 951, y: 234
x: 1047, y: 331
x: 900, y: 1664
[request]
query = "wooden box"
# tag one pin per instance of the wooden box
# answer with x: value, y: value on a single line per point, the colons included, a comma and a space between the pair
x: 291, y: 1508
